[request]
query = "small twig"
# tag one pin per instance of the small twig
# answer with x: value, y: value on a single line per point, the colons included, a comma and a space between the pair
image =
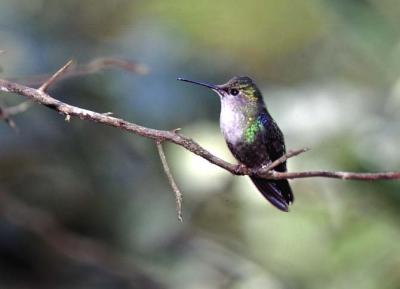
x: 178, y: 194
x: 282, y: 159
x: 55, y: 76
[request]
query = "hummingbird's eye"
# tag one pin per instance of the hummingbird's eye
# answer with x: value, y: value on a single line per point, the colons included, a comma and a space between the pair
x: 234, y: 92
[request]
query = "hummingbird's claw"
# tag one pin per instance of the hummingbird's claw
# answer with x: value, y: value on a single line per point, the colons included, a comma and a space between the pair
x: 239, y: 169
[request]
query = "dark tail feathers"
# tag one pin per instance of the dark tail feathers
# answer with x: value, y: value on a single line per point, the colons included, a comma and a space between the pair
x: 277, y: 192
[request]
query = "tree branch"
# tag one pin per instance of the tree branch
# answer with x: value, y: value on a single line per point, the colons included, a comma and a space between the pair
x: 94, y: 66
x: 7, y: 112
x: 178, y: 194
x: 55, y: 76
x: 174, y: 137
x: 16, y: 109
x: 336, y: 175
x: 284, y: 158
x: 8, y: 120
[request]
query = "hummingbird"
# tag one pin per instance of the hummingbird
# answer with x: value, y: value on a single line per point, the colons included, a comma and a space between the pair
x: 252, y: 135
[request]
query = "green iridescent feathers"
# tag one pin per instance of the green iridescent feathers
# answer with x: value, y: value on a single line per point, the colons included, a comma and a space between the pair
x: 253, y: 128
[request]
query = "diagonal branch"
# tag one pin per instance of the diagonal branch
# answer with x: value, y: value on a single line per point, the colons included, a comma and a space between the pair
x: 284, y: 158
x: 178, y: 194
x: 55, y: 76
x: 70, y: 70
x: 173, y: 136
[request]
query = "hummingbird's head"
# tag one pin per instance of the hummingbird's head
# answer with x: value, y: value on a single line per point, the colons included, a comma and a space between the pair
x: 239, y: 88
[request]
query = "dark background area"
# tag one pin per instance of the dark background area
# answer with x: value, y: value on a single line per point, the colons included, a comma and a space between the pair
x: 88, y: 206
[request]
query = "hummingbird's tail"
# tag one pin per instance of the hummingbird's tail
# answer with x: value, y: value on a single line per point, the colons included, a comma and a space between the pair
x: 278, y: 192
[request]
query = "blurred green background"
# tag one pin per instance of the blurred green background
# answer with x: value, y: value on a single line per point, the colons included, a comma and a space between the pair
x: 88, y: 206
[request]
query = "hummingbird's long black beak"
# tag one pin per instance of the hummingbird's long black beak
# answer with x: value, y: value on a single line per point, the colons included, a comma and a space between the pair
x: 209, y: 85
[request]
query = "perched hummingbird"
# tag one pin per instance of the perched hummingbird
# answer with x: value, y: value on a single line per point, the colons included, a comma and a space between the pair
x: 251, y: 134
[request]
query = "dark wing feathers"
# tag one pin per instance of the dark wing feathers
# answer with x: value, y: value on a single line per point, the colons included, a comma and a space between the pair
x: 278, y: 192
x: 274, y: 193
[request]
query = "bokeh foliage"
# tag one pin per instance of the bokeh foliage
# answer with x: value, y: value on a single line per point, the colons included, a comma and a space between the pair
x: 329, y: 71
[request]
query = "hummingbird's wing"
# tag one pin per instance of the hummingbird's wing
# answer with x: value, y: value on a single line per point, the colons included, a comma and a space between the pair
x: 275, y: 144
x: 278, y: 192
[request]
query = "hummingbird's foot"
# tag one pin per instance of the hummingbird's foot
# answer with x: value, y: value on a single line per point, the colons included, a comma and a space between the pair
x: 265, y: 166
x: 176, y: 130
x: 239, y: 169
x: 260, y: 169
